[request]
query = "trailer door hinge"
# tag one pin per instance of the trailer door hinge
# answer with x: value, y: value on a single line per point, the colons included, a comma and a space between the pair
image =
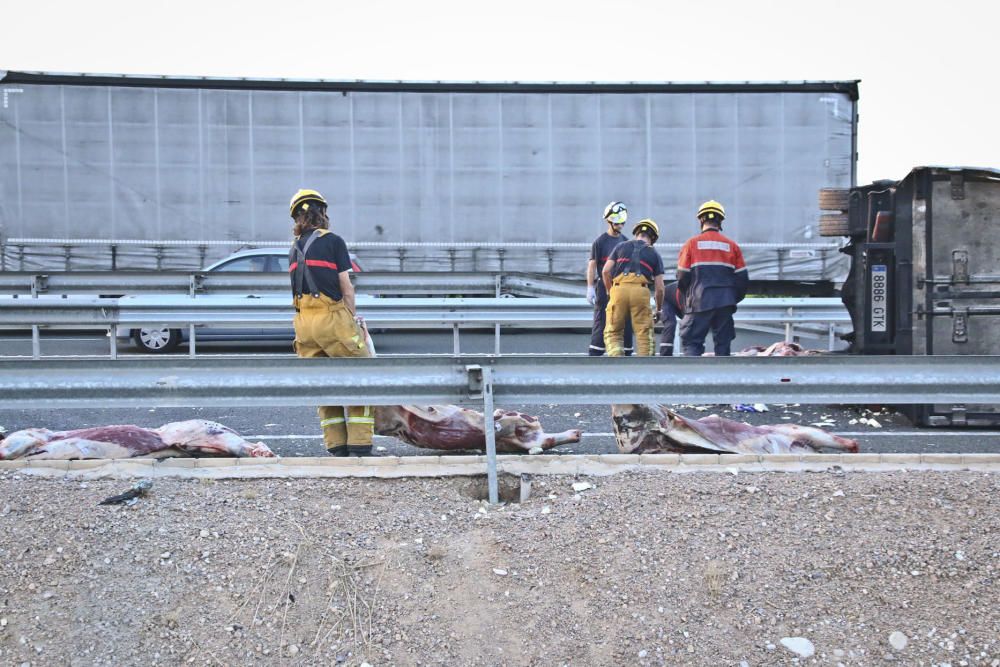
x: 960, y: 266
x: 957, y: 185
x: 960, y: 326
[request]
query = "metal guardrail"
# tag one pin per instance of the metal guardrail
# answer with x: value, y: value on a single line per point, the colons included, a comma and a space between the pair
x: 484, y: 380
x: 382, y: 283
x: 177, y: 312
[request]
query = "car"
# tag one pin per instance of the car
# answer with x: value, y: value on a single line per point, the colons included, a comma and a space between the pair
x: 257, y: 260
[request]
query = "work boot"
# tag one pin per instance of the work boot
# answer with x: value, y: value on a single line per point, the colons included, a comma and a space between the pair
x: 359, y: 450
x: 339, y: 450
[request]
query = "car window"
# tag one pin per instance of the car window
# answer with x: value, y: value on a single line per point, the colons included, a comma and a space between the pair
x: 282, y: 263
x: 251, y: 264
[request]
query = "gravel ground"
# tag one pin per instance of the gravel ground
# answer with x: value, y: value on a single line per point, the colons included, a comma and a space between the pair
x: 644, y: 568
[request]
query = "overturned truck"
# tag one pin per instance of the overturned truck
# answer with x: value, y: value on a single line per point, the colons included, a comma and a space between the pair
x: 925, y: 270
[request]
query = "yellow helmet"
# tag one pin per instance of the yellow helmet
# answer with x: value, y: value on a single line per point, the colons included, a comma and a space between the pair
x: 303, y: 196
x: 712, y: 210
x: 648, y: 226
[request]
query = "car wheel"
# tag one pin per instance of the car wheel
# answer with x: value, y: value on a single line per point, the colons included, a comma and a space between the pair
x: 158, y: 340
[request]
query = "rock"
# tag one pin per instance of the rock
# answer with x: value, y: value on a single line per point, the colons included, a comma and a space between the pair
x: 535, y: 450
x: 546, y: 509
x: 643, y: 653
x: 203, y: 533
x: 898, y: 640
x: 800, y: 646
x: 293, y: 651
x: 582, y: 486
x: 500, y: 572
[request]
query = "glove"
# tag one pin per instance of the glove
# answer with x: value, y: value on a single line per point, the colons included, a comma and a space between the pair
x: 591, y: 295
x: 657, y: 317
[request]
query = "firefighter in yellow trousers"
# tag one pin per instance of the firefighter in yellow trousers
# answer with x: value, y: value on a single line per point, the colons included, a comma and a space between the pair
x: 325, y: 324
x: 630, y: 269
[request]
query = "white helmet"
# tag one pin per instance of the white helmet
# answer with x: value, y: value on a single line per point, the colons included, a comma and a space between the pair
x: 616, y: 213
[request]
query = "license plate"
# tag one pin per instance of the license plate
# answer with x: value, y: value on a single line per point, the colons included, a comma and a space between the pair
x: 880, y: 297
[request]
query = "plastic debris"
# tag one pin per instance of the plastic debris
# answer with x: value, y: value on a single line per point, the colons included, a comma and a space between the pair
x: 750, y: 407
x: 131, y: 496
x: 582, y: 486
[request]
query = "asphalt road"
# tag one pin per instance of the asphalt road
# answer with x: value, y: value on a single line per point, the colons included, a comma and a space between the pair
x: 295, y: 431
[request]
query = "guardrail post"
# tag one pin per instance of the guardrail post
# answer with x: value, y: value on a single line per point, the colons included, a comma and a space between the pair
x: 500, y: 254
x: 831, y: 338
x: 551, y: 254
x: 481, y: 381
x: 20, y: 258
x: 402, y: 258
x: 454, y: 335
x: 451, y: 257
x: 114, y: 256
x: 114, y: 342
x: 202, y: 251
x: 3, y: 250
x: 36, y: 346
x: 67, y: 251
x: 191, y: 342
x: 159, y: 258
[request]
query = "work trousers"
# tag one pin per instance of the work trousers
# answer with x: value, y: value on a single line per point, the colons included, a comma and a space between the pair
x: 600, y: 320
x: 629, y: 301
x: 695, y: 327
x: 326, y: 328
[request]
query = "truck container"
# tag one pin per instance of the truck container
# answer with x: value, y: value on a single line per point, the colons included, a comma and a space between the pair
x: 925, y: 270
x: 101, y: 171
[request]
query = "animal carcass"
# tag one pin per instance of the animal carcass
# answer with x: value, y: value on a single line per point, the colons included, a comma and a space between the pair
x: 779, y: 349
x: 195, y: 437
x: 655, y: 428
x: 452, y: 427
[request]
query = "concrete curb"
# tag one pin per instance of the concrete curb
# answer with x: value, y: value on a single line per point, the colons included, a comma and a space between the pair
x: 451, y: 466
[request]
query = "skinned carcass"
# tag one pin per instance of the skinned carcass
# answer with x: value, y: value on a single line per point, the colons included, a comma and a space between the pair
x: 195, y: 437
x: 658, y: 429
x: 779, y: 349
x: 451, y: 427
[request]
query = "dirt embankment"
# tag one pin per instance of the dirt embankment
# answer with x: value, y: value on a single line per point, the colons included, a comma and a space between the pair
x: 646, y: 569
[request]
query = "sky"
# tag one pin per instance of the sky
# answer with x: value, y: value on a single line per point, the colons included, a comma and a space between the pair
x: 929, y: 82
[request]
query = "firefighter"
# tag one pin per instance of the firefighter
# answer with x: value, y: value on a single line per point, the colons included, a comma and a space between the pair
x: 630, y: 269
x: 325, y: 322
x: 673, y: 310
x: 713, y: 276
x: 615, y: 214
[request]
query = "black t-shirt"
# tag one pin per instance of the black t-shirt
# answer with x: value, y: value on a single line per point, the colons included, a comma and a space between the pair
x: 600, y: 250
x: 326, y: 259
x: 650, y: 263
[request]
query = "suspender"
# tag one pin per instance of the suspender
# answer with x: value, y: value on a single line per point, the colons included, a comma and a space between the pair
x: 634, y: 266
x: 297, y: 256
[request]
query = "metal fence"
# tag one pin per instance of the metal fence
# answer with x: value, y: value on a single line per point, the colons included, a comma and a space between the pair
x: 485, y: 380
x: 179, y: 312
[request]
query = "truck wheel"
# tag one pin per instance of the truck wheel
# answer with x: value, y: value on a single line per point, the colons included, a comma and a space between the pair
x: 157, y: 341
x: 834, y: 199
x: 834, y: 224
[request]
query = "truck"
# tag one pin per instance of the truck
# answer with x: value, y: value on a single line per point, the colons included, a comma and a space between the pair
x: 924, y: 275
x: 160, y: 173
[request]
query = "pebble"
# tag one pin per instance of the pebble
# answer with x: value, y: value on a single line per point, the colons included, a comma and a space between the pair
x: 800, y: 646
x: 898, y: 640
x: 203, y: 533
x: 535, y: 450
x: 500, y: 572
x: 582, y: 486
x: 165, y: 555
x: 643, y: 653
